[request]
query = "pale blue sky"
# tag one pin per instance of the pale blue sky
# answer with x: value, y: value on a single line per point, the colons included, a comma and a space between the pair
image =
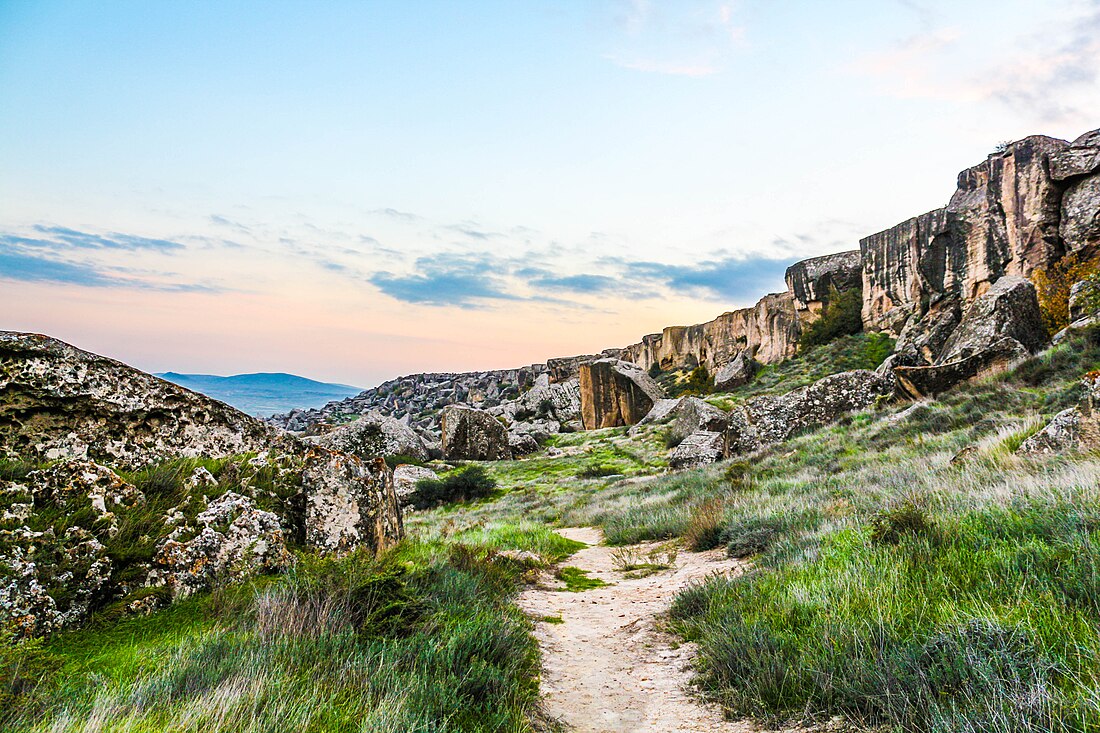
x: 357, y: 190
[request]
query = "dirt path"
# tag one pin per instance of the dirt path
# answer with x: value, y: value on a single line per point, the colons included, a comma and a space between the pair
x: 607, y: 667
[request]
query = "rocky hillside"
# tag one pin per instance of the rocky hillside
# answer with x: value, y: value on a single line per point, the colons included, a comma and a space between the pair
x: 120, y: 491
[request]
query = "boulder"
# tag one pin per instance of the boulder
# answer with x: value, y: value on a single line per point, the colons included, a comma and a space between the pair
x: 768, y: 420
x: 473, y: 435
x: 657, y: 414
x: 1009, y: 309
x: 228, y: 542
x: 923, y: 337
x: 1075, y: 429
x: 522, y: 444
x: 375, y: 435
x: 698, y: 449
x: 1080, y: 223
x: 1080, y: 158
x: 59, y: 402
x: 692, y: 415
x: 349, y: 502
x: 924, y: 381
x: 615, y: 393
x: 405, y: 477
x: 737, y: 373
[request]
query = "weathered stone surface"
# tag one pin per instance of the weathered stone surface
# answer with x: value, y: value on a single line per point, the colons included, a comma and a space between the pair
x: 1009, y: 309
x: 924, y: 381
x: 698, y: 449
x: 692, y: 415
x: 349, y: 502
x: 473, y: 435
x: 923, y: 337
x: 522, y: 444
x: 615, y: 393
x: 767, y: 420
x: 1060, y: 435
x: 230, y: 541
x: 1080, y: 222
x: 57, y: 401
x: 1002, y: 220
x: 1080, y: 158
x: 375, y: 435
x: 658, y: 413
x: 811, y: 280
x: 405, y: 477
x: 737, y: 373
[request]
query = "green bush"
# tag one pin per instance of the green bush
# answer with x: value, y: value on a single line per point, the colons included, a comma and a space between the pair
x: 841, y: 316
x: 463, y: 484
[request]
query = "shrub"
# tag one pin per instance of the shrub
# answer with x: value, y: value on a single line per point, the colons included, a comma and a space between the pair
x: 841, y: 316
x: 1053, y: 284
x: 705, y: 528
x: 889, y: 526
x: 698, y: 382
x: 463, y: 484
x: 655, y: 370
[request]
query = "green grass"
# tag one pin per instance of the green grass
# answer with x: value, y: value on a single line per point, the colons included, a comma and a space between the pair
x: 429, y: 643
x: 577, y: 580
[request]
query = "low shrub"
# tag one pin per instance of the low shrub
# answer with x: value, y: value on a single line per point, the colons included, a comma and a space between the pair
x: 462, y: 484
x: 707, y: 524
x: 889, y: 526
x: 597, y: 470
x: 841, y: 316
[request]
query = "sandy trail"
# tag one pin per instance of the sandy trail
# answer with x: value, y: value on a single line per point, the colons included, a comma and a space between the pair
x: 607, y: 667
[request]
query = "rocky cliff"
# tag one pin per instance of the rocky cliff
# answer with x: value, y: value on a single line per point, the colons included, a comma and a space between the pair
x: 1020, y: 210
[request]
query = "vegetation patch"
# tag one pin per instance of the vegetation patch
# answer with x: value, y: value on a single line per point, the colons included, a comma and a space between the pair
x: 577, y: 579
x: 465, y: 483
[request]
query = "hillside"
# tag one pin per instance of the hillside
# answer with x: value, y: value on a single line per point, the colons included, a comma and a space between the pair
x: 263, y: 394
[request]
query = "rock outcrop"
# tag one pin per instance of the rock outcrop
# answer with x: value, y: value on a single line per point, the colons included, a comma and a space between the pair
x: 349, y: 502
x: 1078, y: 168
x: 698, y: 449
x: 57, y: 401
x: 811, y: 281
x: 405, y: 478
x: 1009, y: 309
x: 375, y: 435
x: 737, y: 373
x: 918, y: 382
x: 470, y: 434
x: 768, y: 420
x: 1075, y: 429
x: 615, y: 393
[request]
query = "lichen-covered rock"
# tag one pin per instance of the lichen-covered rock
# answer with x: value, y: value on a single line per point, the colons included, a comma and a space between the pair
x: 924, y: 381
x: 737, y: 373
x: 1080, y: 158
x: 349, y: 502
x: 1080, y: 222
x: 698, y: 449
x: 923, y: 337
x: 1009, y: 309
x: 57, y: 401
x: 1060, y: 435
x: 615, y: 393
x: 405, y: 477
x: 522, y: 444
x: 229, y: 541
x: 473, y: 435
x: 767, y: 420
x: 375, y: 435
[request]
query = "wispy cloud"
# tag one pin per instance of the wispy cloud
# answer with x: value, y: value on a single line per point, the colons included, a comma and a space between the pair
x: 62, y: 238
x: 462, y: 280
x: 729, y: 279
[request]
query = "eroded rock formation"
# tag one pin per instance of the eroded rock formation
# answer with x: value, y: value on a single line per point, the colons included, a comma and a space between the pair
x: 811, y: 281
x: 349, y: 502
x: 470, y: 434
x: 374, y: 435
x: 615, y: 393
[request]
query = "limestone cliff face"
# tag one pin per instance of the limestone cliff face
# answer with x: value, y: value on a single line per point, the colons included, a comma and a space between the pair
x: 1002, y: 220
x: 1078, y: 169
x: 57, y: 401
x: 770, y: 330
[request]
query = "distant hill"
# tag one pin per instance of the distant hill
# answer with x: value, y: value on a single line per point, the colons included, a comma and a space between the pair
x: 263, y: 395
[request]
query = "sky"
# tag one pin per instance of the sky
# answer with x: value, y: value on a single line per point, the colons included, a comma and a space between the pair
x: 353, y: 191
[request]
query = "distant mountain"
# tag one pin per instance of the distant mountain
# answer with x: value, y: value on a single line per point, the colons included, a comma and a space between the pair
x: 263, y: 395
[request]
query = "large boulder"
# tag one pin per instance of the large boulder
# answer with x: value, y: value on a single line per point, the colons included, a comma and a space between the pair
x: 736, y: 373
x: 349, y: 502
x: 1009, y: 309
x: 924, y: 381
x: 470, y: 434
x: 615, y: 393
x: 767, y: 420
x: 374, y: 435
x: 59, y: 402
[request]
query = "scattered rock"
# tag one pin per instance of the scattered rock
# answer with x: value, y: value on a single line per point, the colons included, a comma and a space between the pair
x: 473, y: 435
x: 1077, y: 428
x: 615, y: 393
